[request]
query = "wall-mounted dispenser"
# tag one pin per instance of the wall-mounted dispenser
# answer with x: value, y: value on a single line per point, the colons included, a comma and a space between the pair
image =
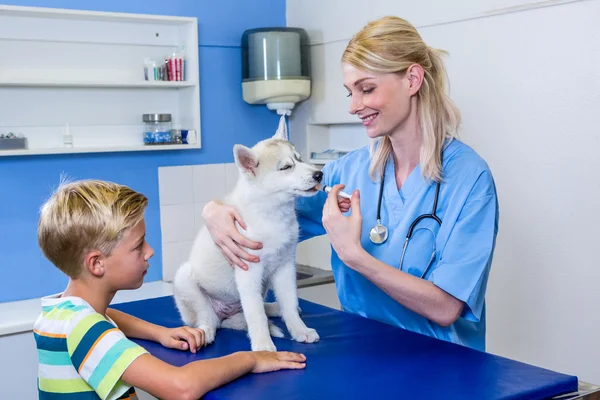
x: 276, y: 68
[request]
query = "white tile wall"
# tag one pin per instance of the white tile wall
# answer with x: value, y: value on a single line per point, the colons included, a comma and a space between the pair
x: 176, y: 185
x: 184, y: 191
x: 174, y: 254
x: 177, y: 222
x: 209, y: 182
x: 198, y: 220
x: 231, y: 176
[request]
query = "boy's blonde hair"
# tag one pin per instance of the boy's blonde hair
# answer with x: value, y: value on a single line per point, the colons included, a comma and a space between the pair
x: 84, y: 216
x: 391, y: 45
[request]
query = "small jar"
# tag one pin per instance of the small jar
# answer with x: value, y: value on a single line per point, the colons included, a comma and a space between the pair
x: 157, y: 128
x: 176, y: 136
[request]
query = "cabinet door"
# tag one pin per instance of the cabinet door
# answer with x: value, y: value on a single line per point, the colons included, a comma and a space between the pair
x: 18, y: 353
x: 321, y: 294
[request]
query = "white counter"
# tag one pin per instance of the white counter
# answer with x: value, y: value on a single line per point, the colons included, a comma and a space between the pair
x: 19, y: 316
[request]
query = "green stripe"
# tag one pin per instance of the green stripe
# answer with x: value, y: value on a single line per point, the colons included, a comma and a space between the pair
x: 117, y: 367
x: 64, y: 304
x: 60, y: 315
x: 109, y: 361
x: 79, y: 331
x: 64, y: 385
x: 54, y: 357
x: 59, y: 305
x: 87, y: 342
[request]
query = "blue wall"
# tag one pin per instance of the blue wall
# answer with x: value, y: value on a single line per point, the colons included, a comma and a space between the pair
x: 25, y: 182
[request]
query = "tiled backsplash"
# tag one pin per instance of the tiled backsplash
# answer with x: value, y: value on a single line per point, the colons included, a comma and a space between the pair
x: 183, y: 193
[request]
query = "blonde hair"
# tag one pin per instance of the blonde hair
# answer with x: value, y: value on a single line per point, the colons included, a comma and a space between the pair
x: 84, y: 216
x: 391, y: 45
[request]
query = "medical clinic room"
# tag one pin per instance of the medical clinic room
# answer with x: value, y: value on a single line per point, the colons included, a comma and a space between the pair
x: 299, y: 199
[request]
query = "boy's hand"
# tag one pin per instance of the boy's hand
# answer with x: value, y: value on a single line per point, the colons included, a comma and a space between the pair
x: 182, y: 338
x: 268, y: 361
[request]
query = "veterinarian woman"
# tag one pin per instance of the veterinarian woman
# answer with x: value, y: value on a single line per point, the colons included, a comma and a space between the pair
x: 434, y: 282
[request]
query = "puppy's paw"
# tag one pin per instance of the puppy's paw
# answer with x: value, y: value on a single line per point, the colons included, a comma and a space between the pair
x: 209, y: 334
x: 275, y: 331
x: 263, y: 345
x: 307, y: 335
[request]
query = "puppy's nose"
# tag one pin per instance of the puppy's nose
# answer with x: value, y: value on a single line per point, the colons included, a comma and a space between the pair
x: 318, y: 176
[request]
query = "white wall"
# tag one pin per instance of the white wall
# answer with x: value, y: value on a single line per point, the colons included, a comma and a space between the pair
x: 335, y: 20
x: 527, y: 80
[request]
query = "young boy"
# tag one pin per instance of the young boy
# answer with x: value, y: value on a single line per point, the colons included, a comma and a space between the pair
x: 94, y: 232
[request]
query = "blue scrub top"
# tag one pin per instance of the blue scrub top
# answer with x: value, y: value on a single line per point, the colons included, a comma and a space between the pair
x: 463, y: 245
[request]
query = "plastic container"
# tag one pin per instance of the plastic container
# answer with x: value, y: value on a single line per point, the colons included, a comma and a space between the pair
x: 157, y: 129
x: 13, y: 143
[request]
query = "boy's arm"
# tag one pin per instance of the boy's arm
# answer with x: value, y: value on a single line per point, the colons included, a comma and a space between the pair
x: 110, y: 363
x: 177, y: 338
x: 134, y: 327
x: 194, y: 380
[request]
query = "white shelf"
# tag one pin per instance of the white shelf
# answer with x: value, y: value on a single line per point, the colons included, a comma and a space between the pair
x: 75, y: 150
x: 64, y: 13
x: 87, y: 69
x: 97, y: 84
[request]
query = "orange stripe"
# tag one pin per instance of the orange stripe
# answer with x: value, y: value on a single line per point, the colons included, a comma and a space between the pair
x: 94, y: 345
x: 54, y: 335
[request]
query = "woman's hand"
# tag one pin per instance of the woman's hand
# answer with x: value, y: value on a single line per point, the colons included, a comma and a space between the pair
x: 343, y: 232
x: 220, y: 220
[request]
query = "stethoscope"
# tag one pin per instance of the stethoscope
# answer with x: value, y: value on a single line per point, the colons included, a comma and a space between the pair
x: 379, y: 233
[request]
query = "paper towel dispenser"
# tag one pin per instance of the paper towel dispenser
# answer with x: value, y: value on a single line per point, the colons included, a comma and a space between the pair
x: 275, y: 67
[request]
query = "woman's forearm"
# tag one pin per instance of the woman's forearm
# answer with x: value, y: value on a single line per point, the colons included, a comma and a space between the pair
x: 416, y: 294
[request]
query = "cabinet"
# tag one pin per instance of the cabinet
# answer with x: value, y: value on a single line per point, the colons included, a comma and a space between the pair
x: 343, y: 136
x: 86, y: 69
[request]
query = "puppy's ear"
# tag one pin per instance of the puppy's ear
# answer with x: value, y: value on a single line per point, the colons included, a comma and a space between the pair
x: 245, y: 160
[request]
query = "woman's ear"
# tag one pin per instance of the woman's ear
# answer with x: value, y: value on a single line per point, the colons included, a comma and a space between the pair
x: 415, y: 75
x: 94, y: 263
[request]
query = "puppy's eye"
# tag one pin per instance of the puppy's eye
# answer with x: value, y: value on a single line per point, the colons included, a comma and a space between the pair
x: 287, y: 166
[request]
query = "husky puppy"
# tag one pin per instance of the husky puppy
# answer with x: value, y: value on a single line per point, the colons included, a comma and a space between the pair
x: 209, y: 293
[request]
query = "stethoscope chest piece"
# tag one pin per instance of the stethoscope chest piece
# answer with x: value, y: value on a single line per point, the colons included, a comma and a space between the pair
x: 379, y: 233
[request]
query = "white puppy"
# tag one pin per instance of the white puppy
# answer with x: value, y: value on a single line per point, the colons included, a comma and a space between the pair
x: 209, y: 293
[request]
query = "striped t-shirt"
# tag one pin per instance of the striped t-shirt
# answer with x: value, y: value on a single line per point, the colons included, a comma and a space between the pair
x: 81, y: 354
